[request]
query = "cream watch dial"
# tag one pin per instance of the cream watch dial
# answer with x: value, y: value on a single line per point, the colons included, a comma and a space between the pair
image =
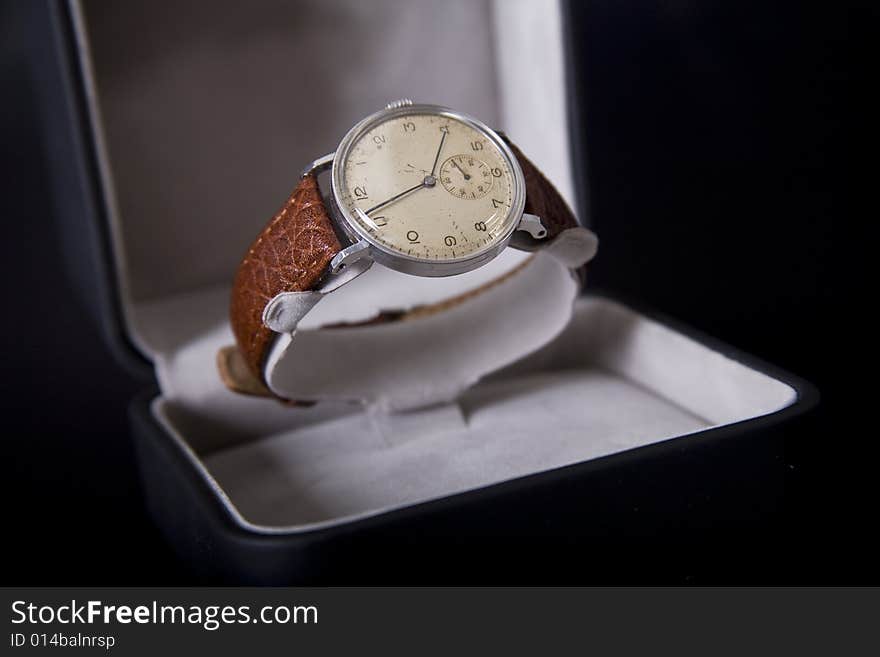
x: 429, y: 186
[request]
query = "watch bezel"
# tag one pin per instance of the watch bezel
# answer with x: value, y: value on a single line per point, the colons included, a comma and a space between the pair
x: 403, y: 262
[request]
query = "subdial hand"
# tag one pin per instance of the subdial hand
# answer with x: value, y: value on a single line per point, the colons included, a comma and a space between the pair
x: 466, y: 175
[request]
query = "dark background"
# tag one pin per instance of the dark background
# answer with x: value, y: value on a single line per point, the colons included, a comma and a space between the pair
x: 719, y: 161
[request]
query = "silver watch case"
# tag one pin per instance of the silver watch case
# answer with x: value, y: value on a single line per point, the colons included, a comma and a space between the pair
x: 363, y: 244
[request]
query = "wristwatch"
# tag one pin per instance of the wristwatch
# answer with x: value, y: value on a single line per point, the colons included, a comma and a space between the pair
x: 421, y: 189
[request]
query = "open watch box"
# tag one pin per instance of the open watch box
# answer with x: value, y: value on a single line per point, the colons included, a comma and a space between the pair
x: 186, y: 127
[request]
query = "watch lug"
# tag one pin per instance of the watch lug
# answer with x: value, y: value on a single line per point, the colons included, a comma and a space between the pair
x: 349, y: 255
x: 533, y: 226
x: 530, y: 234
x: 317, y: 166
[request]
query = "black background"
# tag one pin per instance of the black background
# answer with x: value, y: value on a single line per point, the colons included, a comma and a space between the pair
x: 719, y: 164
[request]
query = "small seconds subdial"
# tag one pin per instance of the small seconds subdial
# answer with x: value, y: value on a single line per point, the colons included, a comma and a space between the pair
x: 466, y: 177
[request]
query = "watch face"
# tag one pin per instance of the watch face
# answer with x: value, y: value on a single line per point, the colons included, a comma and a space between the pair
x: 433, y: 191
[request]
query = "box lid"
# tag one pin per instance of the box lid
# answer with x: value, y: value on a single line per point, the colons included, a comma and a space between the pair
x: 79, y: 204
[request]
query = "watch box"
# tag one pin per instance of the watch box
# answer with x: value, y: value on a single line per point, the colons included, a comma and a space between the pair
x: 180, y: 129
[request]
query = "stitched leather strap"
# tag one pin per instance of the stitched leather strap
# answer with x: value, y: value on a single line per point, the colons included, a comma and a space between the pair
x: 293, y: 252
x: 290, y: 255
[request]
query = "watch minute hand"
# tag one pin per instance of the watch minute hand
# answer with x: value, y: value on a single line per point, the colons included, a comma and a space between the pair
x: 439, y: 148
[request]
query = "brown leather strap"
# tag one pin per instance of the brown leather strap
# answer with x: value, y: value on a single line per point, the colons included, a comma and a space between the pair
x: 542, y: 198
x: 295, y: 248
x: 290, y: 255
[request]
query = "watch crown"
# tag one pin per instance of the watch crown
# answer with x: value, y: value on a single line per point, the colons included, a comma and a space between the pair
x: 398, y: 103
